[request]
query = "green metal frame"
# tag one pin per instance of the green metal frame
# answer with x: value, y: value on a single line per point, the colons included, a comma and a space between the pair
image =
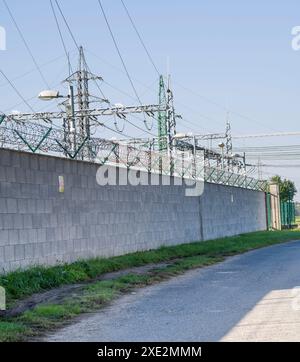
x: 73, y: 156
x: 2, y: 118
x: 32, y: 148
x: 287, y: 213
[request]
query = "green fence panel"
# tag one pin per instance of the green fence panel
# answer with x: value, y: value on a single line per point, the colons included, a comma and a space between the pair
x: 287, y: 213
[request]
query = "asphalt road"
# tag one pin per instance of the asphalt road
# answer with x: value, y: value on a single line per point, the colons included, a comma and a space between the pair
x: 246, y: 298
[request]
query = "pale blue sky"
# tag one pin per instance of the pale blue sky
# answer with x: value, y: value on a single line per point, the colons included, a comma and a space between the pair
x: 235, y: 53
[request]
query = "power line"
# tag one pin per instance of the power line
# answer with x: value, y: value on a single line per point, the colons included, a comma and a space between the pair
x: 280, y: 166
x: 16, y: 90
x: 184, y: 120
x: 224, y: 108
x: 208, y: 118
x: 141, y: 129
x: 76, y: 44
x: 67, y: 24
x: 27, y: 99
x: 263, y: 135
x: 33, y: 70
x: 26, y: 44
x: 119, y: 52
x: 140, y: 37
x: 61, y: 36
x: 98, y: 87
x: 116, y: 68
x: 113, y: 130
x: 73, y: 38
x: 20, y: 95
x: 270, y: 147
x: 147, y: 87
x: 127, y: 94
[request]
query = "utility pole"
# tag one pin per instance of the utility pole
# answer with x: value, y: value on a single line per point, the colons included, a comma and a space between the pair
x: 228, y: 143
x: 171, y: 116
x: 171, y: 124
x: 69, y: 122
x: 162, y: 116
x: 78, y: 116
x: 79, y: 128
x: 83, y: 93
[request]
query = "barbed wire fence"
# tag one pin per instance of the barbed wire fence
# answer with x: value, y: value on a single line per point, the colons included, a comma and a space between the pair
x: 50, y: 140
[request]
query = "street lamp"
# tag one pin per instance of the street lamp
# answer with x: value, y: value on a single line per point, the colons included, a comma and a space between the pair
x: 49, y: 95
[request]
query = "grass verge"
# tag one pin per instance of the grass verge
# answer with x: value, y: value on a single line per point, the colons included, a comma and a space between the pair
x: 21, y: 284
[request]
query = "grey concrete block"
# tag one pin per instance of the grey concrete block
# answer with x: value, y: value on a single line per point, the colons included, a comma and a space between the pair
x: 13, y: 236
x: 41, y: 235
x: 9, y: 253
x: 4, y: 239
x: 18, y: 221
x: 3, y: 206
x: 15, y: 160
x: 5, y: 159
x: 29, y: 251
x: 12, y: 206
x: 19, y: 252
x: 7, y: 221
x: 27, y: 221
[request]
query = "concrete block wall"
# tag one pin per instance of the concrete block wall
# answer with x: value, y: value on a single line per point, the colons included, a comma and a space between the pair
x: 227, y: 211
x: 40, y: 225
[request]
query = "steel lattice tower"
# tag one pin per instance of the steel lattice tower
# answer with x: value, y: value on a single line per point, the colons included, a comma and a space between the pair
x: 162, y: 116
x: 228, y: 143
x: 78, y: 127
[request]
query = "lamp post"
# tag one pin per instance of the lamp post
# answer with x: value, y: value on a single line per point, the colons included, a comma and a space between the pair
x: 222, y: 145
x: 49, y: 95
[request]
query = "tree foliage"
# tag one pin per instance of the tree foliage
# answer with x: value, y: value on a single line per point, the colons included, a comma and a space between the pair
x: 287, y: 188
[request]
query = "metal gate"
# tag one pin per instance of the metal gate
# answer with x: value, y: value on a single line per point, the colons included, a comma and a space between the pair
x: 287, y: 213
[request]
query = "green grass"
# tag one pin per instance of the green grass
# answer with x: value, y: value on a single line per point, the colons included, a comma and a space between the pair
x: 10, y: 331
x: 21, y: 284
x: 100, y: 293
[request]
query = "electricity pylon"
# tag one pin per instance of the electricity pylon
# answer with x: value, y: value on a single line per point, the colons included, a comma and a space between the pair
x: 228, y: 143
x: 78, y: 117
x: 162, y: 116
x: 171, y: 117
x: 166, y: 116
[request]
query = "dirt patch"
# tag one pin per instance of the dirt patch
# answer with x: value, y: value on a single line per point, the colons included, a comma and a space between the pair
x: 68, y: 291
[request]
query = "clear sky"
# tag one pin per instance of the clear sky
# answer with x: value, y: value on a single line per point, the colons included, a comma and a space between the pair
x: 233, y: 54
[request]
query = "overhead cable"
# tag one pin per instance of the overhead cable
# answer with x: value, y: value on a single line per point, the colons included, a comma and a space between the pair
x: 25, y: 43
